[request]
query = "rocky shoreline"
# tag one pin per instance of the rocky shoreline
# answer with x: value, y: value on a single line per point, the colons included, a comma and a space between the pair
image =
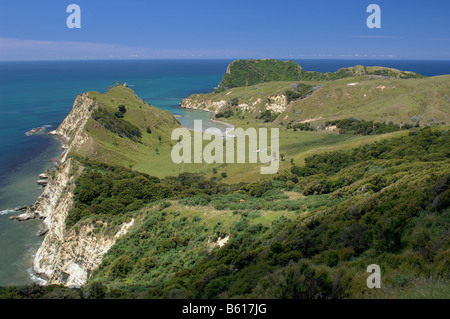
x: 29, y: 212
x: 67, y: 256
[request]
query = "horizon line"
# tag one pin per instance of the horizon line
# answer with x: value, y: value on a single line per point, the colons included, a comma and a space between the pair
x: 224, y: 58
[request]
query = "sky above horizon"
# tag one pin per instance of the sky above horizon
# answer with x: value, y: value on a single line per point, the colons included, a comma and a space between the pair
x: 320, y: 29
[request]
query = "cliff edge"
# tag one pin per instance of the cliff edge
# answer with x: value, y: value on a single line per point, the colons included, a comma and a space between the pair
x: 68, y: 256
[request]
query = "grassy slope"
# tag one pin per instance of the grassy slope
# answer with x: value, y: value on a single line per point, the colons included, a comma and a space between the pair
x: 379, y: 100
x: 387, y: 100
x: 143, y: 157
x: 150, y: 155
x: 297, y: 146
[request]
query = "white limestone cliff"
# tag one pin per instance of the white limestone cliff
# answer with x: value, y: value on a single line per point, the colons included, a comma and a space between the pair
x: 68, y: 256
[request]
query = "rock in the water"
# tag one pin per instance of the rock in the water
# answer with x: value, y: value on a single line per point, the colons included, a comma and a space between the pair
x: 34, y: 131
x: 42, y: 182
x: 25, y: 216
x: 43, y: 230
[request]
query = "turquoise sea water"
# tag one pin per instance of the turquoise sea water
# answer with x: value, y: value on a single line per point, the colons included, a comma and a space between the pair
x: 34, y: 94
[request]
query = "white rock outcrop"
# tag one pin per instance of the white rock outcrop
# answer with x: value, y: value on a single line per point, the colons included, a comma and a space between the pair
x: 277, y: 103
x: 68, y: 257
x: 203, y: 104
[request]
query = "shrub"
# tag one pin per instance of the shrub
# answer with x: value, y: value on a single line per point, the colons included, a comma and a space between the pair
x: 118, y: 114
x: 116, y: 124
x: 120, y: 267
x: 122, y: 109
x: 97, y: 290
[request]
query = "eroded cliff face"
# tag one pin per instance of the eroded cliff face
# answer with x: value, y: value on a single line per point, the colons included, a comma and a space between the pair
x: 275, y: 103
x: 197, y: 103
x: 68, y: 257
x: 71, y: 129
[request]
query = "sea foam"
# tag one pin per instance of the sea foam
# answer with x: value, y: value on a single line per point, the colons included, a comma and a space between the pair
x: 35, y: 278
x: 6, y: 211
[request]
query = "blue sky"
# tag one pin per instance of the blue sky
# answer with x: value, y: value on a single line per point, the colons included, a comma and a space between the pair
x: 35, y: 30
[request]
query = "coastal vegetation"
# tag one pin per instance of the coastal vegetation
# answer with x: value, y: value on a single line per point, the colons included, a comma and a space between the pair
x: 308, y: 232
x: 367, y: 205
x: 117, y: 125
x: 364, y: 179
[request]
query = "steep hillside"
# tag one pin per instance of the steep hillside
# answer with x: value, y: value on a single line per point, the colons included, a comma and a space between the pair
x: 126, y: 131
x: 107, y: 128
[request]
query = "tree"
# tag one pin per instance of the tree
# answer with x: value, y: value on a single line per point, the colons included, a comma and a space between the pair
x: 122, y: 109
x: 97, y: 290
x: 121, y: 267
x: 118, y: 114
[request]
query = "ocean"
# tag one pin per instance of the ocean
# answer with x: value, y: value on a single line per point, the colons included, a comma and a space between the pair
x: 41, y: 93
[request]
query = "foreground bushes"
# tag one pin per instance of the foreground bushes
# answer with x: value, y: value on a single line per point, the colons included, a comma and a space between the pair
x: 108, y: 191
x: 384, y: 203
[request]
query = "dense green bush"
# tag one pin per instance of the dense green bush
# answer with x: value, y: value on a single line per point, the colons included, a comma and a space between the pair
x: 111, y: 191
x: 226, y: 114
x: 384, y: 203
x: 116, y: 124
x: 361, y: 127
x: 268, y: 116
x: 325, y: 255
x: 298, y: 91
x: 108, y: 191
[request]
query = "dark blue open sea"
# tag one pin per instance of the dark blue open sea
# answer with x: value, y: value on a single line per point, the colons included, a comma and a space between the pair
x: 34, y: 94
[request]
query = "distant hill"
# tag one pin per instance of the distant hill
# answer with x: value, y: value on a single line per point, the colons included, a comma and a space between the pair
x: 249, y: 72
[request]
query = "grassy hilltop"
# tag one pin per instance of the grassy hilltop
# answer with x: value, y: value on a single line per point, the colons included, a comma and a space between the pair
x: 249, y: 72
x: 138, y: 138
